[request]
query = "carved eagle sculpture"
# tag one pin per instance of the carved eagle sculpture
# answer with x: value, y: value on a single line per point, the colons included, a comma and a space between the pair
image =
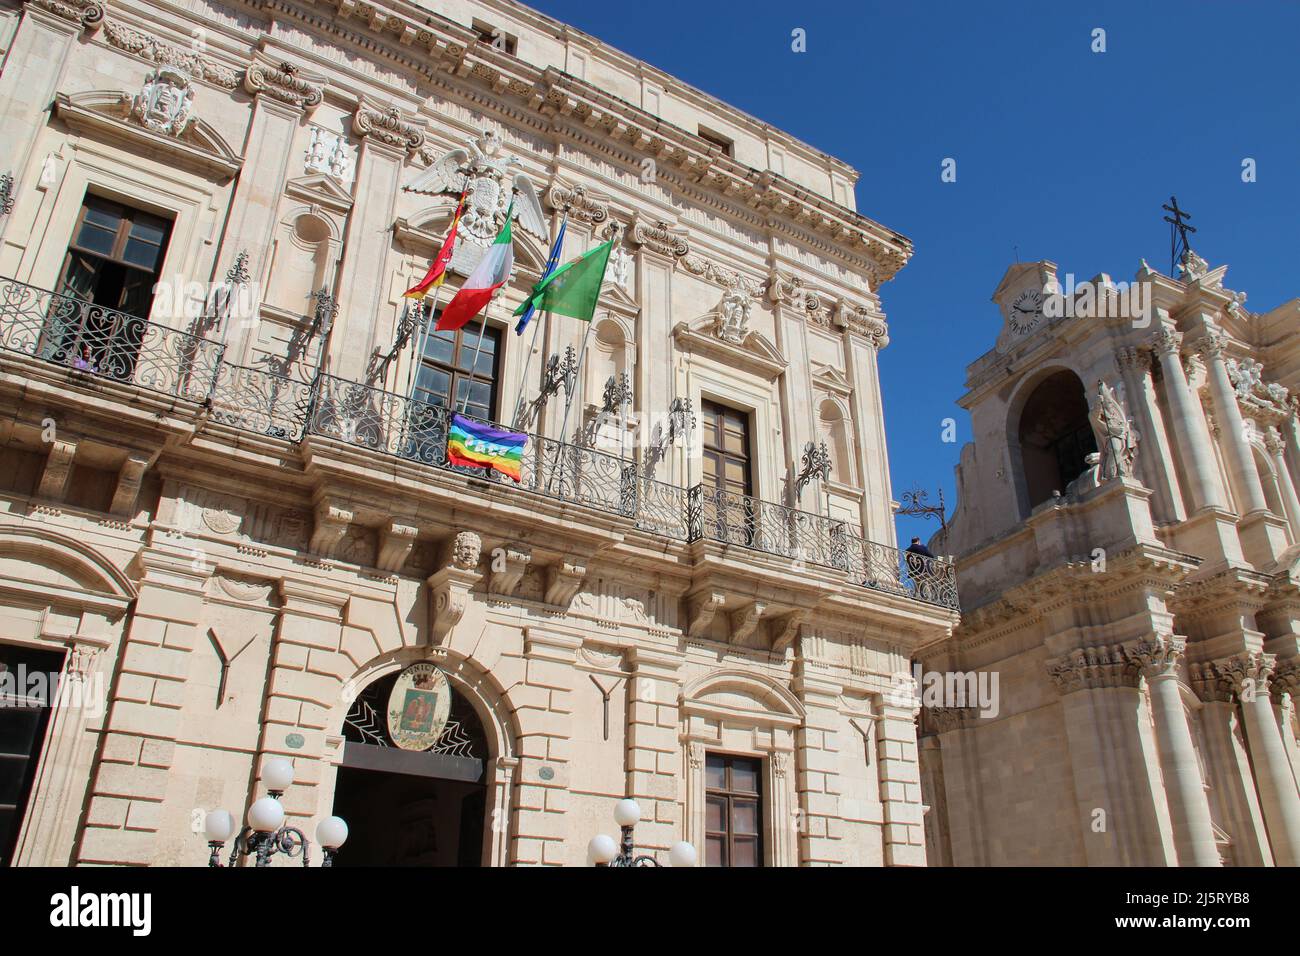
x: 482, y: 173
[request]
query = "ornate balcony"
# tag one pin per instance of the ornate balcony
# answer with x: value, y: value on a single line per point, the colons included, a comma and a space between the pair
x: 102, y: 343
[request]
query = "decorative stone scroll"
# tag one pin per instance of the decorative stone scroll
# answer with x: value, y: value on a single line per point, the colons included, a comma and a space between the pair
x: 660, y: 237
x: 388, y: 127
x: 88, y: 13
x: 284, y: 83
x: 578, y: 202
x: 449, y: 589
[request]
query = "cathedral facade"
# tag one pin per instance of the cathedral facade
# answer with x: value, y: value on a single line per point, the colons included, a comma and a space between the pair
x: 1127, y: 539
x: 230, y: 529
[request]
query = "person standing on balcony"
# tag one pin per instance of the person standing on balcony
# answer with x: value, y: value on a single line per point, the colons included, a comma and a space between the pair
x: 920, y: 564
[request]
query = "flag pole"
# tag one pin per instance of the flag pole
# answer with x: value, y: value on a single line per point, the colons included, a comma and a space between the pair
x: 578, y: 379
x: 523, y: 380
x: 473, y: 367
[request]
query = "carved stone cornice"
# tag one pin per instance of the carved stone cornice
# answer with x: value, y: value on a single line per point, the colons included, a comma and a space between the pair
x: 151, y: 48
x: 283, y: 82
x: 660, y: 237
x: 704, y: 268
x: 89, y: 14
x: 1107, y: 665
x: 388, y: 126
x: 580, y: 204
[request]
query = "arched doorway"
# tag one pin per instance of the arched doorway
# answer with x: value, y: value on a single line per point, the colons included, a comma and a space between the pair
x: 1055, y: 436
x: 411, y: 807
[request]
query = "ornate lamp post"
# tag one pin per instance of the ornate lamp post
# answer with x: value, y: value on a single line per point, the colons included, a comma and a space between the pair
x: 603, y: 851
x: 266, y: 834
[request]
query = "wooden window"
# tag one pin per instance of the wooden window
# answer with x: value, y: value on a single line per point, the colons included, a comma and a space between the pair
x: 447, y: 368
x: 115, y: 256
x: 24, y: 715
x: 733, y: 810
x: 726, y: 449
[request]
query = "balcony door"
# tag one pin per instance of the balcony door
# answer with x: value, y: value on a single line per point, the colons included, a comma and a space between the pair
x: 733, y: 800
x: 727, y: 473
x: 109, y: 274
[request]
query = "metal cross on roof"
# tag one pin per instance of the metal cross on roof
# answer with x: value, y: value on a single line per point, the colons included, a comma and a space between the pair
x: 1178, y: 230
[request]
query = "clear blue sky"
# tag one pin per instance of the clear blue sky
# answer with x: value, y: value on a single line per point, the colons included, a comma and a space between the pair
x: 1062, y: 152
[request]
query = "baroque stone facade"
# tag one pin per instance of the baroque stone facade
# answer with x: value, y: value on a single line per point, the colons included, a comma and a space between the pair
x: 235, y: 518
x: 1127, y: 541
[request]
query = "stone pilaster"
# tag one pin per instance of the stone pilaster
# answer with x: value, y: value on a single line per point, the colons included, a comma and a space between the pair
x: 1159, y: 658
x: 544, y: 710
x: 144, y: 719
x: 898, y: 763
x: 1116, y: 783
x: 654, y: 751
x: 818, y: 784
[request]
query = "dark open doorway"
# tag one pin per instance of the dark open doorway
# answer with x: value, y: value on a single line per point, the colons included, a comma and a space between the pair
x: 405, y: 807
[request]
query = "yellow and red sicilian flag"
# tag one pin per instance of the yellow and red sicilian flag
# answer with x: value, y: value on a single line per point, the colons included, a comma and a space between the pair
x: 491, y: 273
x: 437, y: 271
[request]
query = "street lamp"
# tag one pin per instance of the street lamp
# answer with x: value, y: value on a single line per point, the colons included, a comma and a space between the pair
x: 265, y: 835
x: 604, y: 851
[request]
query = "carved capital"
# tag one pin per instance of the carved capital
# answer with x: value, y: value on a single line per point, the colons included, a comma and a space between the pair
x: 1167, y: 342
x: 396, y: 539
x: 1246, y: 675
x: 1212, y: 344
x: 387, y: 126
x: 562, y: 582
x: 284, y: 83
x: 1092, y: 667
x: 1286, y: 680
x: 1137, y: 359
x: 945, y: 719
x: 862, y: 320
x: 1156, y: 656
x: 1274, y: 441
x: 508, y: 569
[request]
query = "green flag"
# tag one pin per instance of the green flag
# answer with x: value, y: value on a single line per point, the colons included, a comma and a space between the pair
x: 573, y: 288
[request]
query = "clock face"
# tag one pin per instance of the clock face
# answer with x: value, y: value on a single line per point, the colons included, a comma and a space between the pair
x: 1026, y: 312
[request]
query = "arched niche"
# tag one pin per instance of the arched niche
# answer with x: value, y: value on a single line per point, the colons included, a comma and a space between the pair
x: 1049, y: 436
x: 833, y: 429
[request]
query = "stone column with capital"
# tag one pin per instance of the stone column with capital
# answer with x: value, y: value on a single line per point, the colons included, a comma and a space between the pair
x: 1155, y: 460
x: 1159, y: 658
x: 1248, y: 676
x: 1190, y: 434
x: 1240, y: 460
x: 1276, y: 446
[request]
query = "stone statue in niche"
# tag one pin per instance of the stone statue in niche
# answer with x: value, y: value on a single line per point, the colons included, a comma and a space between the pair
x: 1116, y: 437
x: 620, y: 267
x: 166, y: 103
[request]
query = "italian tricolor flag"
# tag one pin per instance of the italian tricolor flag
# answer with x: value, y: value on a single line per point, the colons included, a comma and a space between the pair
x: 491, y: 273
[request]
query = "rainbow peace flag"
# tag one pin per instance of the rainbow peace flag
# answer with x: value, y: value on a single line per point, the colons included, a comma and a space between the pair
x: 479, y: 445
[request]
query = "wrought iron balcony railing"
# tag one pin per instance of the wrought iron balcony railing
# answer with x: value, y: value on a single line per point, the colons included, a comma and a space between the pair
x: 100, y: 342
x: 105, y: 343
x: 820, y: 540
